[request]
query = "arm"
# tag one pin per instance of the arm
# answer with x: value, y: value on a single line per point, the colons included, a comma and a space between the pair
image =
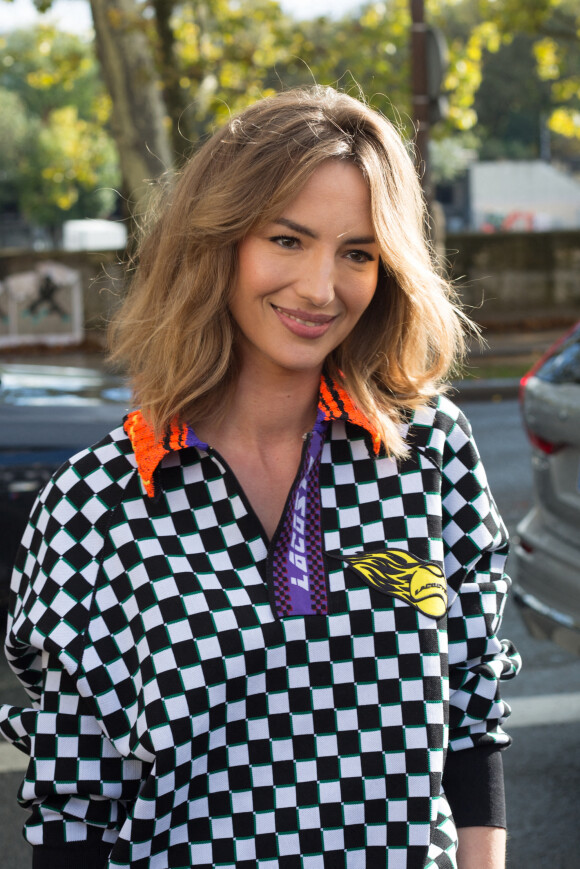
x: 475, y: 545
x: 78, y: 785
x: 481, y: 848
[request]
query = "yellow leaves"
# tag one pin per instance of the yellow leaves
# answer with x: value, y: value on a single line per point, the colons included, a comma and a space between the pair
x: 372, y: 15
x: 73, y: 153
x: 209, y: 48
x: 187, y: 36
x: 548, y: 58
x: 63, y: 161
x: 465, y: 69
x: 65, y: 201
x: 399, y: 16
x: 566, y: 122
x: 227, y: 52
x: 487, y: 34
x: 41, y: 79
x: 566, y: 90
x: 102, y: 108
x: 230, y: 76
x: 464, y: 118
x: 47, y: 60
x: 436, y: 7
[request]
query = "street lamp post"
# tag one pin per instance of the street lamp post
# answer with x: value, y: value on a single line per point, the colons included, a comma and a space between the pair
x: 420, y: 89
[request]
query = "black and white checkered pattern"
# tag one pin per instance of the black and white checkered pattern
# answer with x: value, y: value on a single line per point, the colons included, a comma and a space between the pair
x: 176, y: 718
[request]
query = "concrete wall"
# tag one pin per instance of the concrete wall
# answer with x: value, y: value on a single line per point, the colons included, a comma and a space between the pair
x: 517, y: 277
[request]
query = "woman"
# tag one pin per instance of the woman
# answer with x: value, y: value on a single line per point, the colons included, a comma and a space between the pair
x: 241, y: 615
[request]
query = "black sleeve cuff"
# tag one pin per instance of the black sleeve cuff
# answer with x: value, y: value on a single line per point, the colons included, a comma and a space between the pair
x: 474, y: 786
x: 88, y: 855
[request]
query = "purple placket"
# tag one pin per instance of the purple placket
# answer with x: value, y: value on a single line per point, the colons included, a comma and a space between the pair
x: 299, y: 576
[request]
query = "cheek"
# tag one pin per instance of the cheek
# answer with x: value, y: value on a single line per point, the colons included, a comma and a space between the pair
x: 257, y: 275
x: 365, y: 293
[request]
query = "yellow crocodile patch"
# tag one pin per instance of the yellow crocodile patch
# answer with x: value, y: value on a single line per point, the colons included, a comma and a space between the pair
x: 395, y: 572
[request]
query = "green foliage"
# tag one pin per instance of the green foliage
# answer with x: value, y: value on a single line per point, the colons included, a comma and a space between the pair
x: 512, y: 104
x: 513, y: 66
x: 368, y: 49
x: 450, y: 156
x: 227, y: 54
x: 477, y: 29
x: 68, y: 171
x: 56, y: 157
x: 16, y: 131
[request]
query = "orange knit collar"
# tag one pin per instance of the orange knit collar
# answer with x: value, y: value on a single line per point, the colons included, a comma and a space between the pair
x: 334, y: 403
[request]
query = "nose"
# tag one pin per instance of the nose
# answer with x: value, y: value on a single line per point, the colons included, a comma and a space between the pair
x: 317, y: 283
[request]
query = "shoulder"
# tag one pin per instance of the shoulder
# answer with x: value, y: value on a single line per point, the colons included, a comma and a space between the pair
x: 98, y: 473
x: 439, y: 428
x: 57, y: 562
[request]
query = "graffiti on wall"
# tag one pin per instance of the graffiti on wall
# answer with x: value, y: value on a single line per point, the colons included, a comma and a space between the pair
x: 41, y: 306
x: 515, y: 221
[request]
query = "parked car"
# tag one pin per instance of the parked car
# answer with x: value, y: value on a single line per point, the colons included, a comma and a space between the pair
x: 547, y: 547
x: 47, y: 413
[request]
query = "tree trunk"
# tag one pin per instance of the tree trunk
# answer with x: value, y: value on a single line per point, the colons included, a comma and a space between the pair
x: 175, y: 101
x: 138, y: 115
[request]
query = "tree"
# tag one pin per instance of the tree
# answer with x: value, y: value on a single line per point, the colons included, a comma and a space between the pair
x: 175, y: 70
x: 138, y: 111
x: 225, y: 55
x: 512, y: 126
x: 478, y: 28
x: 14, y: 133
x: 56, y: 159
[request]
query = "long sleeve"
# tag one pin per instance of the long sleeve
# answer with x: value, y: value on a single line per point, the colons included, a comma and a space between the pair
x: 77, y: 785
x: 476, y: 548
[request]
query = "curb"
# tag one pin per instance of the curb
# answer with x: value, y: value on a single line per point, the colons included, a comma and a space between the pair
x: 494, y: 389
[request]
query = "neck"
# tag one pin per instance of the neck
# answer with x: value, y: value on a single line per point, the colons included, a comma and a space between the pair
x: 268, y: 407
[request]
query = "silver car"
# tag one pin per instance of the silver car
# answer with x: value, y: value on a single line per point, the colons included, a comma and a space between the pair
x: 547, y: 547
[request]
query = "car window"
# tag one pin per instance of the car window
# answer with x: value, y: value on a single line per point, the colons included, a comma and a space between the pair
x: 564, y: 365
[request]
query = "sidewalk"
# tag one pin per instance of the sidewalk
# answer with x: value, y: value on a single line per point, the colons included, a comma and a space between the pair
x: 493, y: 370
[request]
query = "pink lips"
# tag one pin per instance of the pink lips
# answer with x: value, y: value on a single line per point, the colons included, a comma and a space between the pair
x: 304, y: 324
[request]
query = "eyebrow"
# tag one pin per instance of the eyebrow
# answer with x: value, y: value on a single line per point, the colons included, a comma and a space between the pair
x: 303, y: 230
x: 297, y: 227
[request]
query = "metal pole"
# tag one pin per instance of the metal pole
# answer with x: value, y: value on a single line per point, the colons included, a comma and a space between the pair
x: 420, y: 94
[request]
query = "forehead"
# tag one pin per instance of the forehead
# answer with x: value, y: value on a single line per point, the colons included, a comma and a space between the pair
x: 335, y: 184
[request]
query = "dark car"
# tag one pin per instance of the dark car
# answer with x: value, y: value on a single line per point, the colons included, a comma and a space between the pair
x: 547, y: 548
x: 47, y: 413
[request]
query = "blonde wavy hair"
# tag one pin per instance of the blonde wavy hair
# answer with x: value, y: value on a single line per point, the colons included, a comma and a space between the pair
x: 174, y: 333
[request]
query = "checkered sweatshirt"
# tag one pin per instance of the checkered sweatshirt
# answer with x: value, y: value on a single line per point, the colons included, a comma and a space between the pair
x: 203, y: 697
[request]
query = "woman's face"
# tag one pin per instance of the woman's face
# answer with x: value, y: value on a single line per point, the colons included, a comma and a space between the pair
x: 305, y: 279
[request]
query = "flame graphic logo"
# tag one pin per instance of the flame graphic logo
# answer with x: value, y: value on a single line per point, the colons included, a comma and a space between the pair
x: 395, y: 572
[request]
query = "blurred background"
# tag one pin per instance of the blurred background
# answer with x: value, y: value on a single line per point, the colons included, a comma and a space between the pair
x: 100, y: 99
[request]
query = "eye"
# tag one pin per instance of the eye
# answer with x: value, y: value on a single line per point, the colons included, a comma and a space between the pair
x: 360, y: 256
x: 288, y: 242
